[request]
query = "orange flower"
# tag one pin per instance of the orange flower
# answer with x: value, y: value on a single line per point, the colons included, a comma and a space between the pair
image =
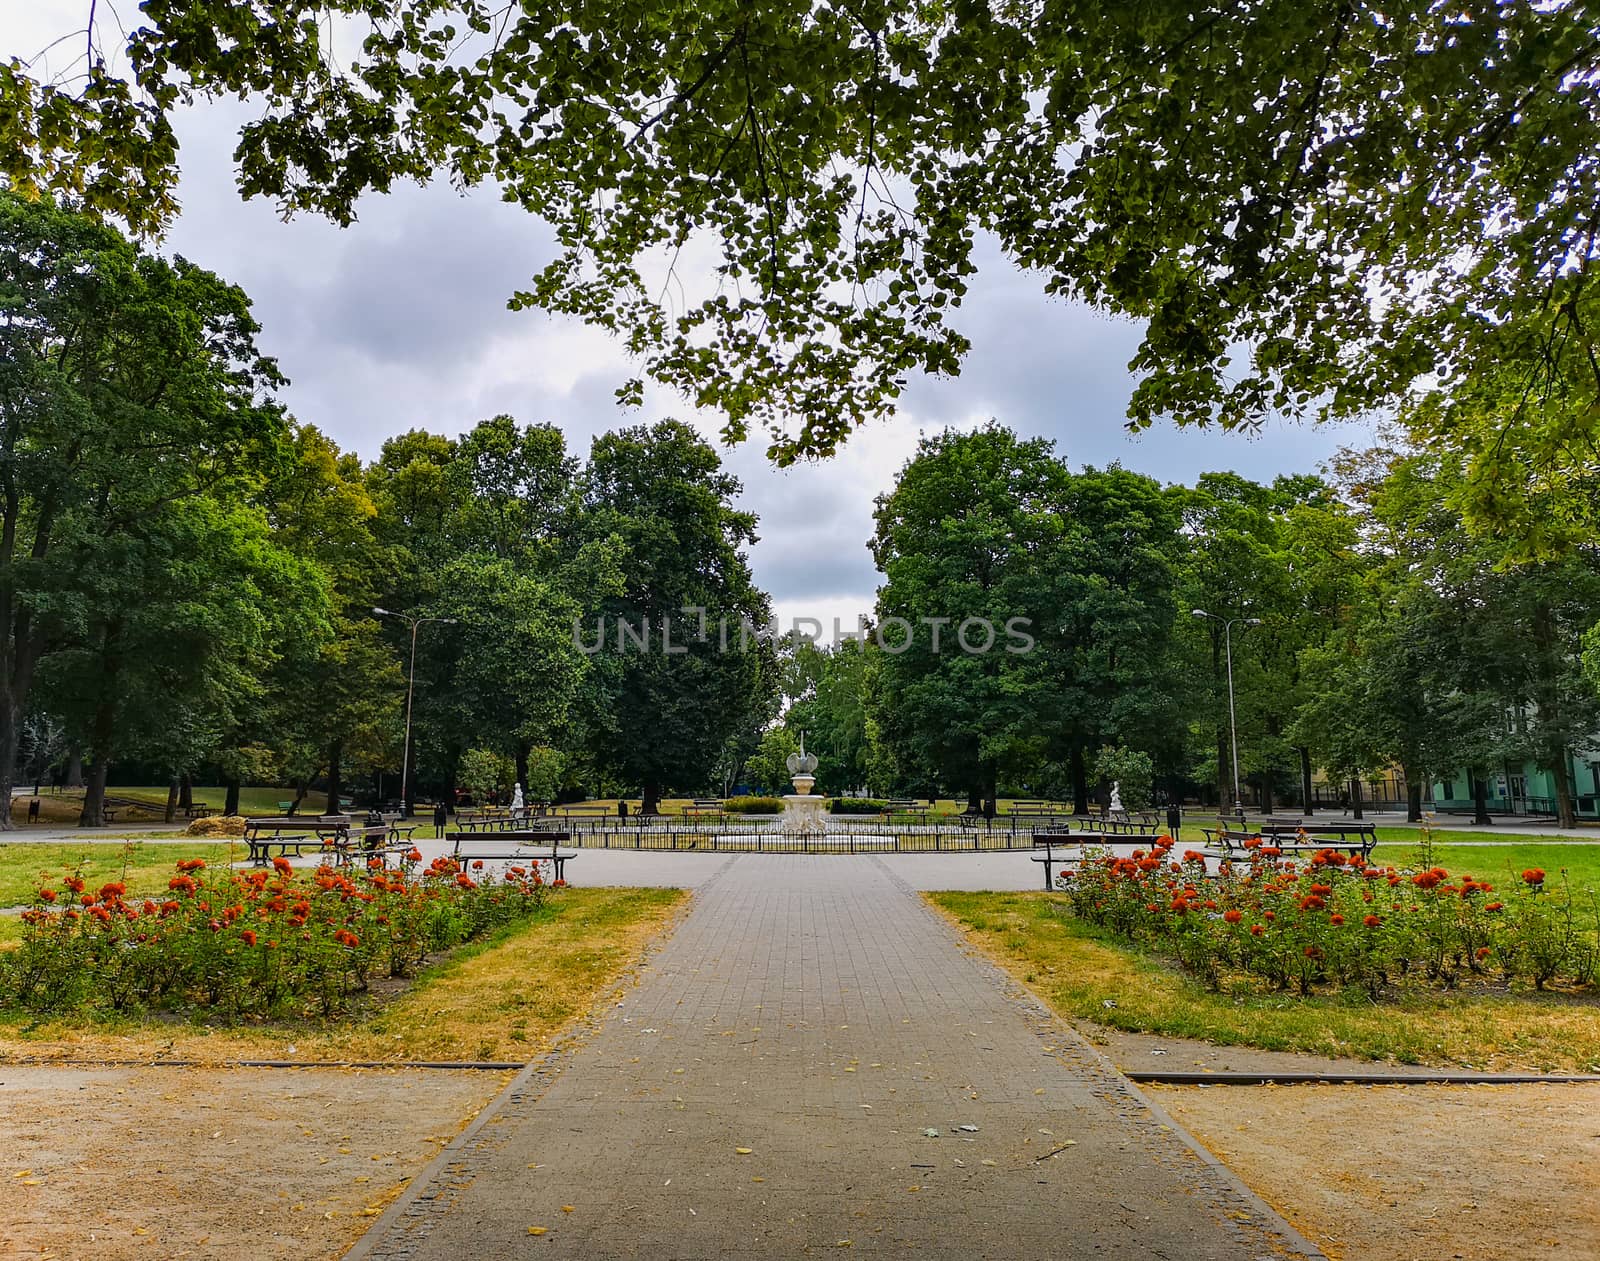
x: 191, y: 864
x: 1372, y: 921
x: 1232, y: 917
x: 47, y: 895
x: 1256, y: 930
x: 1336, y: 920
x: 282, y: 866
x: 248, y: 937
x: 1533, y: 876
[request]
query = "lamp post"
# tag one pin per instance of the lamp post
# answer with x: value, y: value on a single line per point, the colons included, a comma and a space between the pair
x: 1233, y: 726
x: 411, y: 684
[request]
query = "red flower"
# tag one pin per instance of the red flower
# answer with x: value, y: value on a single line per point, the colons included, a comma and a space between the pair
x: 248, y: 937
x: 191, y: 864
x: 559, y: 884
x: 1372, y: 921
x: 1256, y: 930
x: 1495, y: 906
x: 477, y: 864
x: 1232, y: 917
x: 47, y: 895
x: 282, y: 866
x: 1483, y: 952
x: 1533, y: 876
x: 1336, y: 920
x: 1311, y: 902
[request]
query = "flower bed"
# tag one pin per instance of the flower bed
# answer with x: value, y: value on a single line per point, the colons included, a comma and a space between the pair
x: 1334, y: 921
x: 264, y: 942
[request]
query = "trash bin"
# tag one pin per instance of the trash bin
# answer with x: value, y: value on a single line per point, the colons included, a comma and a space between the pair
x: 1174, y: 819
x: 622, y: 809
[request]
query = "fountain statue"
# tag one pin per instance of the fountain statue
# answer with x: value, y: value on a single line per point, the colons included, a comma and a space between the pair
x: 516, y: 799
x: 803, y: 813
x: 1116, y: 797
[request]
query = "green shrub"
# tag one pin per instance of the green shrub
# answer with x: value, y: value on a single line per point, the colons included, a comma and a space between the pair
x: 753, y: 805
x: 855, y: 805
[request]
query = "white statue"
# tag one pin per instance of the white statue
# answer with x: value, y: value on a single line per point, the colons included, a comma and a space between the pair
x: 516, y: 798
x: 802, y: 768
x: 1116, y: 796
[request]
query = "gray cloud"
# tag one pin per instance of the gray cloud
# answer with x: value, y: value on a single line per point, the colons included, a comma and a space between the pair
x: 400, y: 322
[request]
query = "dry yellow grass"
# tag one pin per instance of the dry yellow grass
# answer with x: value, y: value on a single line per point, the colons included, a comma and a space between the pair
x: 1082, y: 975
x: 505, y: 999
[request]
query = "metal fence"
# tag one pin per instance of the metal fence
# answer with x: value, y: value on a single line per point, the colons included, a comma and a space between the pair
x: 844, y: 834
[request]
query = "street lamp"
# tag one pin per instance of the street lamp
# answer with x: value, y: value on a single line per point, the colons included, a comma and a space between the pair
x: 411, y: 683
x: 1233, y: 726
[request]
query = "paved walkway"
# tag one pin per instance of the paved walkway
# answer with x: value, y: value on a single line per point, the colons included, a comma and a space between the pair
x: 814, y: 1011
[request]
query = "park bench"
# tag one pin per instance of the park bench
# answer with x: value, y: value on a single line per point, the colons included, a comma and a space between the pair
x: 297, y: 834
x: 468, y: 847
x: 196, y: 811
x: 904, y: 805
x: 1354, y: 838
x: 705, y: 808
x: 1050, y: 841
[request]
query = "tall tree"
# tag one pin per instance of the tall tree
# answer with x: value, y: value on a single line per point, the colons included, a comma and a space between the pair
x: 662, y: 710
x: 970, y: 542
x: 127, y: 384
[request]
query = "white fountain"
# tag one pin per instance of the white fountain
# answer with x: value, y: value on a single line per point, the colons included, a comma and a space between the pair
x: 803, y: 814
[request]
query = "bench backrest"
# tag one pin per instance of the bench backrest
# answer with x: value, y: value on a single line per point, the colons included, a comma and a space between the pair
x: 476, y: 839
x: 296, y: 823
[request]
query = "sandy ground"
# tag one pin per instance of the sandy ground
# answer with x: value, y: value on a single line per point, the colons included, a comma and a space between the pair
x: 1414, y: 1173
x: 169, y: 1162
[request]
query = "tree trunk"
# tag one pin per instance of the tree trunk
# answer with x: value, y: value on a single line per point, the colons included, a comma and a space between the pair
x: 1561, y: 773
x: 74, y: 776
x: 991, y: 804
x: 103, y: 731
x: 230, y: 804
x: 1413, y: 799
x: 1224, y: 772
x: 1266, y: 792
x: 94, y: 796
x: 650, y: 798
x: 1307, y: 790
x: 1355, y: 797
x: 334, y: 784
x: 974, y: 799
x: 522, y: 769
x: 186, y: 791
x: 299, y: 796
x: 1080, y: 783
x: 10, y: 734
x: 1480, y: 800
x: 172, y: 799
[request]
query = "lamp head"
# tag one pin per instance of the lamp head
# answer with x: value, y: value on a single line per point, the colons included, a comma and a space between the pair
x: 1199, y: 613
x: 381, y: 612
x: 1252, y: 621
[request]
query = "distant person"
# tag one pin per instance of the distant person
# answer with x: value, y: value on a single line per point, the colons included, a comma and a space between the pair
x: 441, y: 816
x: 33, y: 809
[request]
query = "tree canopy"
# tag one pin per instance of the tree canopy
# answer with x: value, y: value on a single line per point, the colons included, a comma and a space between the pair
x: 1310, y: 208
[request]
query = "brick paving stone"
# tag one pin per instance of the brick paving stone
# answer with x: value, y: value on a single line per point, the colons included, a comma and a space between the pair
x: 814, y: 1010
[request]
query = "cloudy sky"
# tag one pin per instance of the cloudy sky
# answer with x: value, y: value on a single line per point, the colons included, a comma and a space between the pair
x: 400, y: 321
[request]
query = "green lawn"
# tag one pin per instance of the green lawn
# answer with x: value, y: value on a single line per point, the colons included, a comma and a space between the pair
x: 1088, y: 975
x: 145, y: 868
